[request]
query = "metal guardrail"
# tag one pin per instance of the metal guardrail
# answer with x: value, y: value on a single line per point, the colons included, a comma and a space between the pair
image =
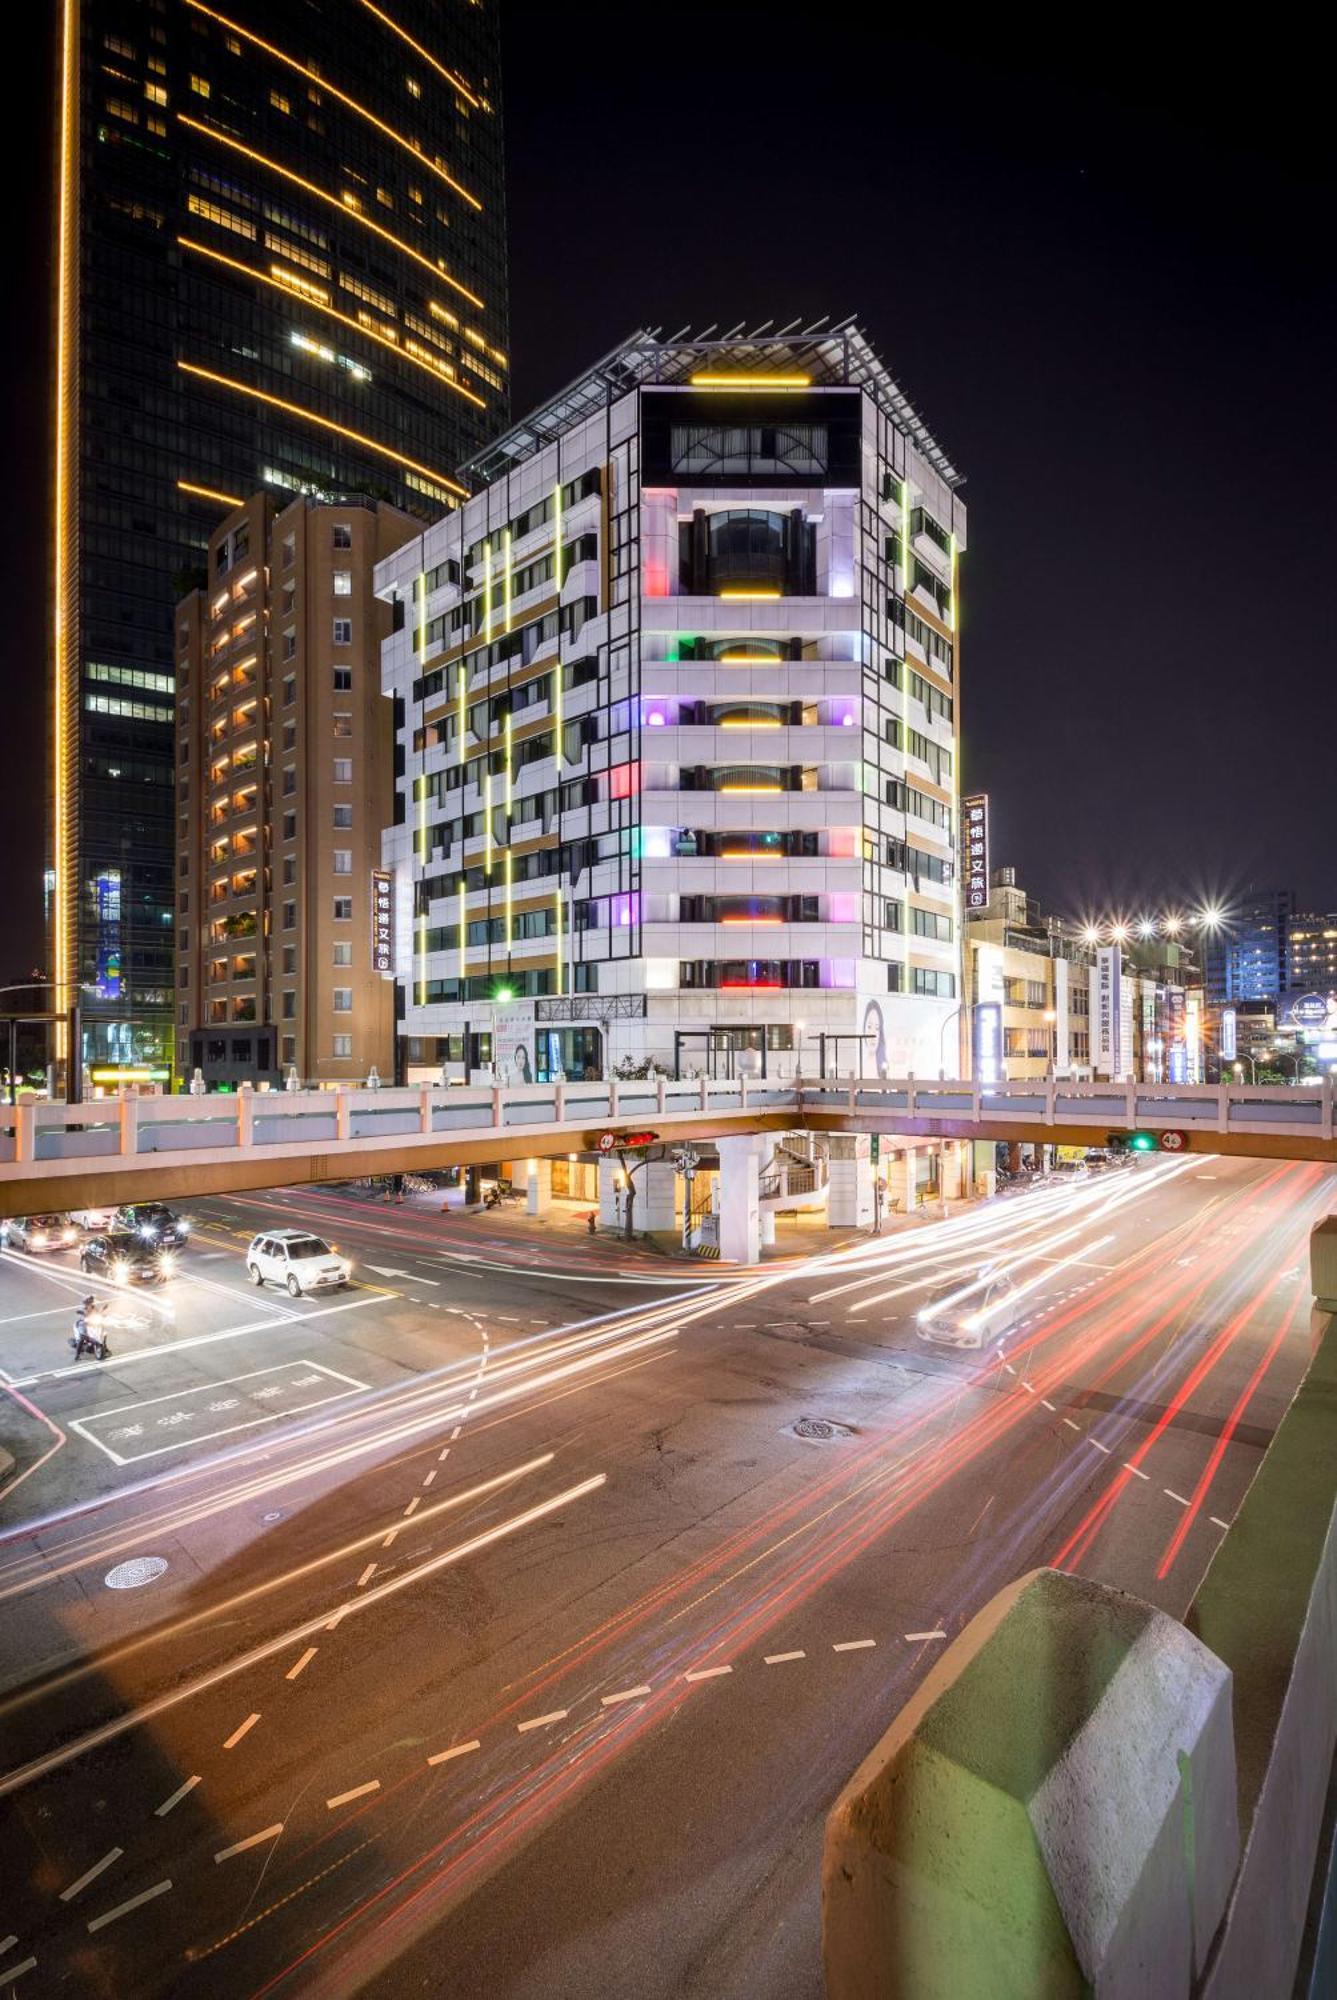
x: 45, y: 1141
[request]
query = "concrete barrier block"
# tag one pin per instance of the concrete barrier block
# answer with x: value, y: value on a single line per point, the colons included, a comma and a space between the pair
x: 1053, y: 1812
x: 1323, y: 1263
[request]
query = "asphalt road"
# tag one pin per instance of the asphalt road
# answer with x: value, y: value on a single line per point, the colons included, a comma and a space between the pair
x: 518, y: 1641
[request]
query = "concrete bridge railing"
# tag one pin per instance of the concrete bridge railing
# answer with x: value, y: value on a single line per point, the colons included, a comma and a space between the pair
x: 122, y: 1145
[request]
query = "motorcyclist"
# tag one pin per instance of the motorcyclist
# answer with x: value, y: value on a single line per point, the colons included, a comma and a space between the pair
x: 89, y: 1338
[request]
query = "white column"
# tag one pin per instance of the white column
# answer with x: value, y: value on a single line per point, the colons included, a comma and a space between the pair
x: 949, y: 1172
x: 849, y: 1199
x: 740, y: 1217
x: 610, y: 1211
x: 901, y: 1181
x: 538, y: 1187
x: 655, y: 1193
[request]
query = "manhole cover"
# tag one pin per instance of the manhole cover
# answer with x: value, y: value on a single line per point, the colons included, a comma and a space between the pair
x: 819, y: 1430
x: 275, y: 1514
x: 139, y: 1570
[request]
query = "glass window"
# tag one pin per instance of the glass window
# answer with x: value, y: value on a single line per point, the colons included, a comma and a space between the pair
x: 343, y: 817
x: 343, y: 583
x: 343, y: 1045
x: 343, y: 999
x: 343, y: 535
x: 290, y: 916
x: 343, y: 909
x: 342, y: 860
x: 343, y: 680
x: 343, y: 722
x: 343, y: 770
x: 289, y: 1005
x: 343, y: 631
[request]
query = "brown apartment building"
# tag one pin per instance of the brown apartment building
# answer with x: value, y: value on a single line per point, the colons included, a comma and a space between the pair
x: 284, y: 767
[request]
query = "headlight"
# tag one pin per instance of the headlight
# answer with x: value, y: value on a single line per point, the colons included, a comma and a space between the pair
x: 120, y: 1272
x: 39, y: 1239
x: 69, y: 1236
x: 167, y: 1264
x: 147, y: 1232
x: 183, y: 1227
x: 346, y: 1265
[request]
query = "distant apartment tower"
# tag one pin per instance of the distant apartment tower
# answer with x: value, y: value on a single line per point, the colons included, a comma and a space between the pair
x: 284, y: 780
x: 1247, y: 957
x: 676, y: 703
x: 1311, y: 965
x: 280, y: 263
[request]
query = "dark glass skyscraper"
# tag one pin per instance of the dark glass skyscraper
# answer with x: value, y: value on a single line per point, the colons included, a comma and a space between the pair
x: 281, y: 263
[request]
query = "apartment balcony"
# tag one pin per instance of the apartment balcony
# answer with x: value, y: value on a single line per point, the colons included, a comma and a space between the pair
x: 775, y: 939
x: 725, y: 810
x: 806, y: 743
x: 714, y: 875
x: 778, y: 616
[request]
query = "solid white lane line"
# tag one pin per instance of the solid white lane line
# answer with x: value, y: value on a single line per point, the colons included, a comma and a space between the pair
x: 1071, y: 1425
x: 1171, y: 1495
x: 623, y: 1694
x: 91, y: 1874
x: 24, y: 1965
x: 1128, y: 1466
x: 777, y: 1659
x: 706, y: 1673
x: 367, y: 1575
x: 7, y: 1944
x: 299, y: 1665
x: 358, y: 1792
x: 1217, y: 1522
x: 161, y: 1812
x: 456, y: 1750
x: 251, y: 1840
x: 540, y: 1721
x: 852, y: 1645
x: 915, y: 1637
x: 1099, y: 1446
x: 124, y: 1909
x: 237, y: 1734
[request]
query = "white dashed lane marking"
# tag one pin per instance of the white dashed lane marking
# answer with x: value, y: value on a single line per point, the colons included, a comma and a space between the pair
x: 778, y: 1659
x: 358, y: 1792
x: 134, y: 1903
x: 707, y: 1673
x: 91, y: 1874
x: 235, y: 1738
x: 852, y: 1645
x: 915, y: 1637
x: 623, y: 1694
x: 161, y: 1812
x: 300, y: 1665
x: 456, y: 1750
x: 251, y: 1840
x: 541, y: 1721
x: 1136, y: 1470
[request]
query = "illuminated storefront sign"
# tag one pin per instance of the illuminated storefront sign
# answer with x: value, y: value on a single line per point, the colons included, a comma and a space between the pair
x: 1176, y: 1056
x: 1109, y: 1011
x: 382, y: 921
x: 107, y: 983
x: 975, y: 849
x: 988, y: 1030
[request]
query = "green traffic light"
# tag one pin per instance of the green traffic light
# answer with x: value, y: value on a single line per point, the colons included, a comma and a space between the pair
x: 1143, y: 1142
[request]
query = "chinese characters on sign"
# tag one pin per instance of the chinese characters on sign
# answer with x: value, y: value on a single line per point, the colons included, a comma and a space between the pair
x: 382, y: 921
x: 975, y: 849
x: 1109, y: 1013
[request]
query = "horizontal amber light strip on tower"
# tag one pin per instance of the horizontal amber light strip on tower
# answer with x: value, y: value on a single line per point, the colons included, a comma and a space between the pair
x: 209, y: 493
x: 323, y: 423
x: 332, y: 312
x: 750, y: 596
x: 349, y: 103
x: 713, y: 379
x: 455, y: 82
x: 332, y: 201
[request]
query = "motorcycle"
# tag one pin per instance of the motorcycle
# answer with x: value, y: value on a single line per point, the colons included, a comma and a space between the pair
x: 85, y: 1340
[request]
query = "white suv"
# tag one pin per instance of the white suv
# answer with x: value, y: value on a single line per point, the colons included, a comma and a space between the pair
x: 297, y: 1259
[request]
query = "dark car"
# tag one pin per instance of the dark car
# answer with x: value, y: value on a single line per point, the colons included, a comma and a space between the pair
x: 127, y: 1258
x: 154, y: 1223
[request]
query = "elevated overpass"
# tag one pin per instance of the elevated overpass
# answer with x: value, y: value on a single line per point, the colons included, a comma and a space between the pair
x: 128, y: 1148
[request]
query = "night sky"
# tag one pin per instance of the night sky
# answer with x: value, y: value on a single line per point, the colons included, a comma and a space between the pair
x: 1105, y: 280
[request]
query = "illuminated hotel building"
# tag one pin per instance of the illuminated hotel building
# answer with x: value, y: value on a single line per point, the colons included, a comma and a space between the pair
x: 284, y: 781
x: 280, y: 265
x: 676, y: 705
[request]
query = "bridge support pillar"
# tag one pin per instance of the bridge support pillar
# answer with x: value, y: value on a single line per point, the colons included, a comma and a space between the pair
x: 849, y: 1198
x: 740, y: 1206
x: 538, y: 1187
x: 901, y: 1182
x: 951, y: 1176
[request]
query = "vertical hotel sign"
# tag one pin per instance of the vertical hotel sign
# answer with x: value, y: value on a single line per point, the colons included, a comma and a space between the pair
x: 1109, y: 1006
x: 975, y: 849
x: 382, y: 921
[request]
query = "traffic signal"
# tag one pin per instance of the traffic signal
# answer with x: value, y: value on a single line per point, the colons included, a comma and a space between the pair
x: 1143, y: 1142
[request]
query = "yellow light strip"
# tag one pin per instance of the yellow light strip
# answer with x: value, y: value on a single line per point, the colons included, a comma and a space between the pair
x: 322, y: 423
x: 507, y: 585
x: 715, y: 379
x: 749, y: 791
x: 509, y: 927
x: 510, y: 768
x: 487, y: 591
x: 455, y: 82
x: 748, y: 854
x: 332, y: 312
x: 749, y: 596
x: 773, y: 921
x: 748, y: 660
x: 62, y: 898
x: 750, y: 722
x: 331, y: 201
x: 350, y: 103
x: 208, y: 493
